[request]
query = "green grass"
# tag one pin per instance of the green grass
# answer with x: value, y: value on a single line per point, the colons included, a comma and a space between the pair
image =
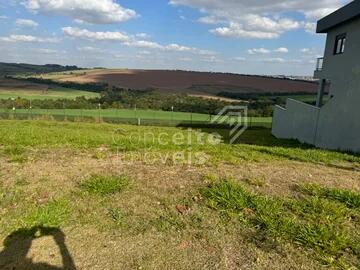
x: 123, y: 114
x: 105, y: 185
x: 315, y: 223
x: 349, y: 198
x: 114, y: 113
x: 253, y: 145
x: 52, y: 214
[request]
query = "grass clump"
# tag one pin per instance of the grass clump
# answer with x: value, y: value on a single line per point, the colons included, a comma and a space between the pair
x: 105, y: 185
x: 255, y: 181
x: 316, y: 223
x: 15, y: 153
x: 349, y: 198
x: 52, y: 214
x: 116, y: 215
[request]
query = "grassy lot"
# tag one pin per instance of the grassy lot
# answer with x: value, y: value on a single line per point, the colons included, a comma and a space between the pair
x: 75, y: 194
x: 126, y: 114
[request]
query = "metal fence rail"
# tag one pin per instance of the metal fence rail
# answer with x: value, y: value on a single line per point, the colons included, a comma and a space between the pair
x: 10, y: 115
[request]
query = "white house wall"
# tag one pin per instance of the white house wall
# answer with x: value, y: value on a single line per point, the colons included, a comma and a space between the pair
x: 338, y: 123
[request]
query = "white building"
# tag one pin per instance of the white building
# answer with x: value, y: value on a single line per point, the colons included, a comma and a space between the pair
x: 336, y: 123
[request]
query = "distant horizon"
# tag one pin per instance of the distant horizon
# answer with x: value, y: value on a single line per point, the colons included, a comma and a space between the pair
x: 184, y: 70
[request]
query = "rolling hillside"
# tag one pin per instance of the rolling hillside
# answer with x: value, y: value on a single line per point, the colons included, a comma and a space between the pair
x: 196, y: 83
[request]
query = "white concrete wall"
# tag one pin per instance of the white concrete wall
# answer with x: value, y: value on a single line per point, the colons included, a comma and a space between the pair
x: 297, y: 121
x: 339, y: 120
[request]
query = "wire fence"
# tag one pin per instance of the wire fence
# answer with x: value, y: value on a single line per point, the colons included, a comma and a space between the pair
x: 141, y: 120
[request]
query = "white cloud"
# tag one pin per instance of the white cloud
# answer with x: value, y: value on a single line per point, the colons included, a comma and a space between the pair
x: 310, y: 27
x: 130, y: 41
x: 260, y: 19
x: 89, y: 35
x: 90, y: 11
x: 89, y: 49
x: 305, y: 50
x: 143, y: 35
x: 179, y: 48
x: 274, y: 60
x: 239, y: 58
x: 144, y: 52
x: 2, y: 17
x: 210, y: 20
x: 185, y: 59
x: 319, y: 13
x: 267, y: 51
x: 26, y: 23
x: 211, y: 59
x: 282, y: 50
x: 46, y: 51
x: 258, y: 51
x: 28, y: 38
x: 144, y: 44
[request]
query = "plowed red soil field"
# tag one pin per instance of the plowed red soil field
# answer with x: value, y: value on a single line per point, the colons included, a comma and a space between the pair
x: 192, y: 82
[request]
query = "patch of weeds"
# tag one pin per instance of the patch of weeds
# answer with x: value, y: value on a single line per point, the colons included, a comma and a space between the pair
x: 169, y: 221
x: 99, y: 155
x: 116, y: 215
x: 15, y: 153
x: 170, y: 218
x: 255, y: 181
x: 315, y: 223
x: 351, y: 199
x: 14, y: 150
x: 52, y: 214
x: 18, y: 159
x: 327, y: 212
x: 10, y: 197
x: 105, y: 185
x: 210, y: 177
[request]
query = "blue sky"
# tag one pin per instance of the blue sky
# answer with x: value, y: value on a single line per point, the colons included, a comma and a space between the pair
x: 240, y: 36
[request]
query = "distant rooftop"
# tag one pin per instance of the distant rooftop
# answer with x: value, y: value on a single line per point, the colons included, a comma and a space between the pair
x: 342, y: 15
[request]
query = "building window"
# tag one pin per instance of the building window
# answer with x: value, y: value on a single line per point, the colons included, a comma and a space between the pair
x: 340, y: 44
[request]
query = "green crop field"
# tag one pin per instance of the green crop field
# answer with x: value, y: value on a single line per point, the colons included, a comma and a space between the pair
x: 52, y: 93
x: 10, y: 88
x: 109, y: 196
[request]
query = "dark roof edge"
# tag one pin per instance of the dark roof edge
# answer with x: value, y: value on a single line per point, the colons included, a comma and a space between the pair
x: 340, y: 16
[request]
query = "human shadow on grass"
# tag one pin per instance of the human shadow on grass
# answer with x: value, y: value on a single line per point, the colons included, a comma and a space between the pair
x: 18, y: 244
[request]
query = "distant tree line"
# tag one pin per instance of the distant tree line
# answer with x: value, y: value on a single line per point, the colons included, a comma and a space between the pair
x: 90, y: 87
x: 114, y: 97
x: 127, y: 99
x: 19, y: 68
